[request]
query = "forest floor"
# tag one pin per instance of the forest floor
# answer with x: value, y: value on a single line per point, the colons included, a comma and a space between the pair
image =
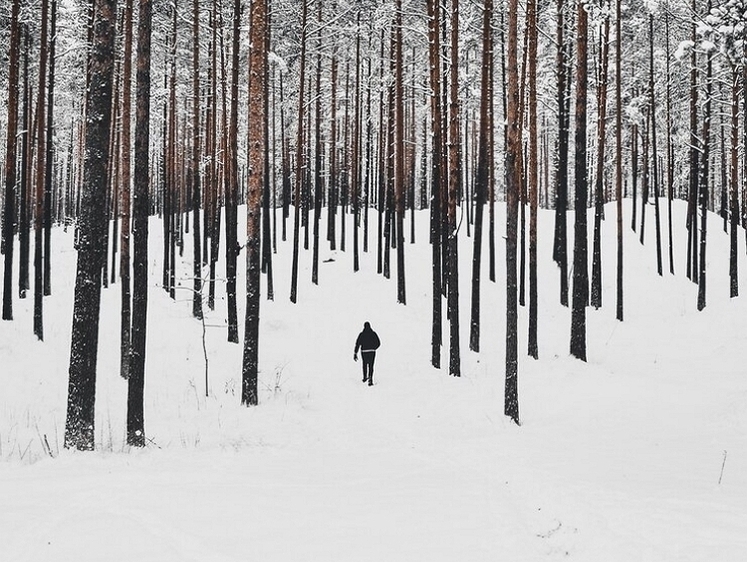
x: 638, y: 455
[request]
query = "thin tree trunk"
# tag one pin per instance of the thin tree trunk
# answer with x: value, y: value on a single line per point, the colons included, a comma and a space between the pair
x: 232, y: 188
x: 618, y: 158
x: 596, y: 270
x: 533, y: 349
x: 48, y: 202
x: 454, y: 147
x: 299, y: 155
x: 195, y: 165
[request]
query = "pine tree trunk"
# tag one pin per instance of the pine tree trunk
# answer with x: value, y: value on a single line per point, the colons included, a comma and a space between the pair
x: 79, y: 425
x: 232, y: 188
x: 257, y: 117
x: 49, y: 171
x: 596, y: 270
x: 580, y: 236
x: 703, y: 181
x: 513, y: 172
x: 41, y: 153
x: 299, y: 155
x: 532, y: 178
x: 399, y: 155
x: 482, y: 174
x: 618, y: 158
x: 434, y: 52
x: 454, y: 147
x: 734, y: 186
x: 9, y: 209
x: 195, y: 166
x: 136, y: 382
x: 560, y: 247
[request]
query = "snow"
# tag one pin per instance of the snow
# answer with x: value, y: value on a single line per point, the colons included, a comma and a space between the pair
x: 618, y: 459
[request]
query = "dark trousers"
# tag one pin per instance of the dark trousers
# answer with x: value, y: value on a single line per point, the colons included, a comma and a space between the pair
x: 367, y: 359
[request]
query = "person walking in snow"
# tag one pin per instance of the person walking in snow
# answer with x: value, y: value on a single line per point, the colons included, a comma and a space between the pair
x: 368, y: 342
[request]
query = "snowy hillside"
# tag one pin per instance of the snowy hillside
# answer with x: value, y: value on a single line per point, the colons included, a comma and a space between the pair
x: 638, y: 455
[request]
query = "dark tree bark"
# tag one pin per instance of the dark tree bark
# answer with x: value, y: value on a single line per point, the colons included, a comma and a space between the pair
x: 734, y: 186
x: 9, y: 209
x: 126, y: 176
x: 454, y: 147
x: 41, y: 153
x: 136, y: 382
x: 513, y: 188
x: 399, y: 157
x: 670, y: 152
x: 532, y: 178
x: 618, y: 159
x: 560, y: 247
x: 692, y: 201
x: 596, y: 269
x: 195, y: 165
x: 482, y: 175
x: 580, y: 236
x: 654, y: 151
x: 299, y: 156
x: 232, y: 187
x: 434, y: 52
x: 257, y: 117
x: 704, y: 179
x: 318, y: 150
x: 49, y: 163
x: 24, y: 212
x: 79, y: 425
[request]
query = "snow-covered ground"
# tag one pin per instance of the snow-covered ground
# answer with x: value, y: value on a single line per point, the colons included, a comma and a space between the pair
x: 639, y: 454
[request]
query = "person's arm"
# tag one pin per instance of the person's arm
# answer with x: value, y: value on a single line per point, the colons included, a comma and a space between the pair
x: 357, y: 346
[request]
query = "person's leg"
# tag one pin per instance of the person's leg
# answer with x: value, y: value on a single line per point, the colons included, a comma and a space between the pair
x: 371, y: 368
x: 364, y: 367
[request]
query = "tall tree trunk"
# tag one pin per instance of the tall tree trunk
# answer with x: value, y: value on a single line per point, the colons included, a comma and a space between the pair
x: 434, y: 53
x: 232, y: 187
x: 533, y: 349
x: 482, y: 176
x: 317, y: 149
x: 195, y: 165
x: 513, y: 172
x: 9, y: 209
x: 400, y: 156
x: 580, y: 236
x: 670, y: 152
x: 654, y: 153
x: 618, y: 158
x: 41, y: 153
x: 136, y: 382
x: 704, y: 179
x: 596, y: 269
x: 299, y: 155
x: 560, y: 247
x: 454, y: 147
x: 126, y: 175
x: 79, y: 424
x: 49, y: 169
x: 257, y: 117
x: 734, y: 185
x: 26, y: 140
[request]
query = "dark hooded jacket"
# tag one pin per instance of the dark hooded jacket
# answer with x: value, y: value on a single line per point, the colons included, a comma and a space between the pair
x: 367, y: 340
